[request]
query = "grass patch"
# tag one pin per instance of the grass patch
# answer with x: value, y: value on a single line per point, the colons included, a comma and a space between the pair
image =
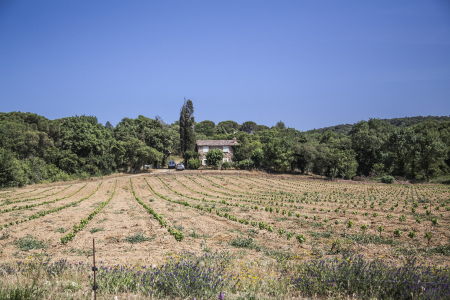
x: 320, y: 234
x: 281, y: 255
x: 61, y: 230
x: 94, y: 230
x: 28, y: 243
x: 79, y: 252
x: 5, y: 235
x: 225, y: 208
x: 139, y: 238
x: 444, y: 250
x: 178, y: 227
x: 195, y: 235
x: 252, y: 232
x: 241, y: 242
x: 370, y: 239
x: 19, y: 291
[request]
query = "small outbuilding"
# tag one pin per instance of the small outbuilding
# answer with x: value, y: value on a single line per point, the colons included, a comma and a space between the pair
x: 203, y: 146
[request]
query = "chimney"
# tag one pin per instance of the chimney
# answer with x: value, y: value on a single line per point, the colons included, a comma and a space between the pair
x: 234, y: 140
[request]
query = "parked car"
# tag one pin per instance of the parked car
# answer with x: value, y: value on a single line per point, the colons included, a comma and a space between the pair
x: 171, y: 164
x: 180, y: 167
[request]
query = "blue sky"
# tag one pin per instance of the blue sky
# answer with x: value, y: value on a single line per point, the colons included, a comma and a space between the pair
x: 310, y: 64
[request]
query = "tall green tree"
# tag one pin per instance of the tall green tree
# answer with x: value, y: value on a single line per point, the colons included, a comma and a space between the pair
x: 249, y: 127
x: 12, y: 171
x: 368, y: 141
x: 431, y: 151
x: 205, y: 127
x: 87, y: 144
x: 280, y: 125
x: 277, y: 149
x: 227, y: 127
x: 304, y: 156
x: 187, y: 123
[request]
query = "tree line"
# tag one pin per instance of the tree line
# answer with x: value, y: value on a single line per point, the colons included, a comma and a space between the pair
x: 34, y: 149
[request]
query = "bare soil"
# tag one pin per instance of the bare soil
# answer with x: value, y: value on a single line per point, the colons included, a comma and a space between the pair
x: 124, y: 217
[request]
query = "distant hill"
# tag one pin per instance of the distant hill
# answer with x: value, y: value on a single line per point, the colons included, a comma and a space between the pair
x: 397, y: 122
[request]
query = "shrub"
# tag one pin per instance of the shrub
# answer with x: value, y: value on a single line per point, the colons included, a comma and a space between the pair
x: 246, y: 164
x: 213, y: 157
x: 188, y: 155
x: 226, y: 165
x: 194, y: 164
x: 241, y: 242
x: 387, y: 179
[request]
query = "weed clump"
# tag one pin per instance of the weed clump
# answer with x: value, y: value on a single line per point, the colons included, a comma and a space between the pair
x: 241, y: 242
x: 139, y: 238
x: 94, y: 230
x: 28, y: 243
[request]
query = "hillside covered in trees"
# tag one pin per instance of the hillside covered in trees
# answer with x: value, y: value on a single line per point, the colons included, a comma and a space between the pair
x: 34, y: 149
x: 397, y: 122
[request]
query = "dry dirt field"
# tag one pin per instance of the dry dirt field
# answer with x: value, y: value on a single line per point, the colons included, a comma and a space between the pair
x: 136, y: 221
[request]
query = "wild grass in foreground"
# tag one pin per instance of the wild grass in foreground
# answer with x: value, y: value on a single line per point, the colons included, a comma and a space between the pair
x: 206, y: 276
x: 354, y: 275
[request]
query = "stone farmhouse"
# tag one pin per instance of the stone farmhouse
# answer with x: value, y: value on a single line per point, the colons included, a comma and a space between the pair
x: 203, y: 146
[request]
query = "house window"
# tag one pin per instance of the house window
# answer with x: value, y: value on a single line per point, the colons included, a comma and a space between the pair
x: 204, y: 162
x: 225, y: 159
x: 225, y: 148
x: 205, y: 149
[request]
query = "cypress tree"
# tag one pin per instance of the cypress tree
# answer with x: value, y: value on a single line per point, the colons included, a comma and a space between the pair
x: 187, y: 122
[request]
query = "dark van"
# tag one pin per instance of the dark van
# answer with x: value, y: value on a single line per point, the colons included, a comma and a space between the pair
x: 171, y: 164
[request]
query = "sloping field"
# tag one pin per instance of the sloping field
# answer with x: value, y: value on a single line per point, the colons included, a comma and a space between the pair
x: 254, y: 229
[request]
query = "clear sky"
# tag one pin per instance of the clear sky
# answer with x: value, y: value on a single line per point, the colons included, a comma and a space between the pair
x: 310, y: 63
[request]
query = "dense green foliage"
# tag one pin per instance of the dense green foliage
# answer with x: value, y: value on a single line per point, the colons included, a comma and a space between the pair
x: 397, y: 122
x: 187, y: 124
x: 35, y: 149
x: 194, y: 164
x: 387, y: 179
x: 214, y: 157
x: 412, y: 148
